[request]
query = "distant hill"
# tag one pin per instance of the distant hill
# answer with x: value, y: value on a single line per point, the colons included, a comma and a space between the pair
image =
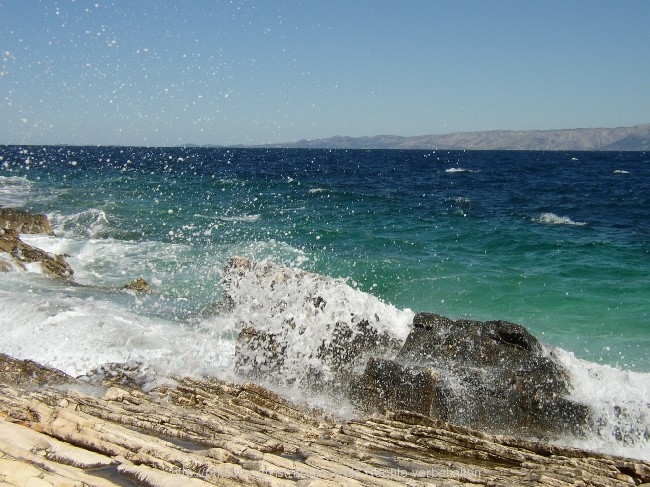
x: 636, y: 138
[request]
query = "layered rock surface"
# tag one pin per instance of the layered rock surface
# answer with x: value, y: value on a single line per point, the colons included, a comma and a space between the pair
x: 55, y: 430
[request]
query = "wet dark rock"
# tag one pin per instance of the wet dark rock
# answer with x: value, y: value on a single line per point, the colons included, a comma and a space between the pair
x: 490, y: 375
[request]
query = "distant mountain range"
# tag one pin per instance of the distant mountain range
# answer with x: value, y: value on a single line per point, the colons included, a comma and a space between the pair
x: 636, y: 138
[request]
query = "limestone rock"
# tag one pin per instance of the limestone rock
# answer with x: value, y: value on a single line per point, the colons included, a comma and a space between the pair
x: 24, y: 221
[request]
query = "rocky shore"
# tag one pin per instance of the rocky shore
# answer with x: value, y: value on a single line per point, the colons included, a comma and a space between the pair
x: 440, y: 403
x: 58, y: 430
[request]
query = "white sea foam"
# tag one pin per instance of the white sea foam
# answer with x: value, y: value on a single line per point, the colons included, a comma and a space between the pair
x: 621, y: 171
x: 111, y: 262
x: 317, y: 190
x: 279, y: 301
x: 457, y: 169
x: 237, y: 218
x: 76, y: 333
x: 620, y: 404
x: 553, y: 219
x: 18, y: 192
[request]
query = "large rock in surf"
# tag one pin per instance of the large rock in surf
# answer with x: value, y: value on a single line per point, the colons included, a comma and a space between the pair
x: 16, y: 255
x: 492, y: 375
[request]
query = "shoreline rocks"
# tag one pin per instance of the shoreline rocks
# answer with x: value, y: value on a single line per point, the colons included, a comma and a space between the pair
x: 24, y: 221
x: 16, y: 255
x: 56, y: 431
x: 493, y: 376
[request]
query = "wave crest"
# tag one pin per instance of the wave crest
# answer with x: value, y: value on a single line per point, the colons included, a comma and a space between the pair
x: 88, y: 223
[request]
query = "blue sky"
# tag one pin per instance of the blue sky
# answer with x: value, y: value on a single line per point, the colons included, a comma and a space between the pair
x: 146, y: 72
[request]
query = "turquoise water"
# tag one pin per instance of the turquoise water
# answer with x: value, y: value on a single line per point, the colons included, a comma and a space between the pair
x: 559, y: 242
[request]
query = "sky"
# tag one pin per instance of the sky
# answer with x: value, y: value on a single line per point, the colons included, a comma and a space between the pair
x: 227, y: 72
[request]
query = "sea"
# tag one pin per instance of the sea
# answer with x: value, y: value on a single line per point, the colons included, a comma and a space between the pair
x: 556, y: 241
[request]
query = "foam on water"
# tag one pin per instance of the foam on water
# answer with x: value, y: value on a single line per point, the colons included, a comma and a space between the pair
x: 15, y: 191
x: 553, y: 219
x: 620, y: 404
x: 77, y: 331
x: 241, y: 218
x: 299, y: 309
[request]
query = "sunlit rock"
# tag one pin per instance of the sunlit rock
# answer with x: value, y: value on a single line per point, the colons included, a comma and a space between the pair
x: 211, y: 432
x: 17, y: 255
x: 24, y: 221
x: 138, y: 285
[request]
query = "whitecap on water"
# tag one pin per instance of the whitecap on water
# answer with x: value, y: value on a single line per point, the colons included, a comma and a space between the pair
x: 621, y: 171
x: 15, y: 191
x: 553, y: 219
x: 241, y: 218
